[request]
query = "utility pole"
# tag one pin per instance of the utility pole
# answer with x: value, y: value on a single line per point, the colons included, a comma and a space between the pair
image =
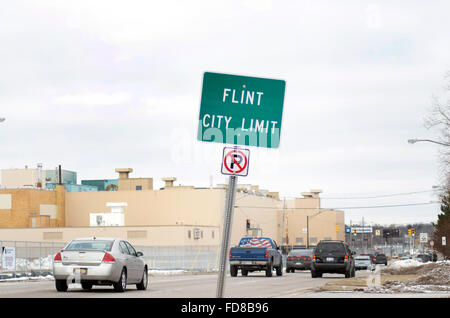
x: 283, y: 222
x: 226, y: 233
x: 307, y: 231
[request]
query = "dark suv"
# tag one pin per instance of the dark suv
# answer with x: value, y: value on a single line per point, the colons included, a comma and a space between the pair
x: 381, y: 259
x: 332, y: 257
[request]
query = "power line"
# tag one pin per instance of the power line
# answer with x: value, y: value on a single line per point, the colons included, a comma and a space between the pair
x: 342, y: 208
x: 378, y: 196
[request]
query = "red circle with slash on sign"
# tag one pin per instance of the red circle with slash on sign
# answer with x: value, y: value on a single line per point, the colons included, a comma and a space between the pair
x: 233, y: 161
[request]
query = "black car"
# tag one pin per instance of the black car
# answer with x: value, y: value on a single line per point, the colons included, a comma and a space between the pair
x: 298, y: 259
x: 425, y: 257
x: 381, y: 259
x: 332, y: 257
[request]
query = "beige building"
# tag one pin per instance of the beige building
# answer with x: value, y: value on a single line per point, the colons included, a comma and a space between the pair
x: 178, y: 235
x: 172, y: 215
x: 306, y: 223
x: 129, y: 184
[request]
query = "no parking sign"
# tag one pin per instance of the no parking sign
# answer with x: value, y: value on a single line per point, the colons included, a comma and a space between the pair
x: 235, y: 161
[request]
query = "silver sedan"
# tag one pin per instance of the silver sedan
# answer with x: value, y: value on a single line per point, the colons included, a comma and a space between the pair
x: 100, y: 261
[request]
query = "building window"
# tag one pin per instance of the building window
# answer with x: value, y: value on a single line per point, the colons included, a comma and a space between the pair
x: 313, y: 240
x: 138, y: 188
x: 189, y: 234
x: 327, y: 238
x: 212, y: 232
x: 299, y: 240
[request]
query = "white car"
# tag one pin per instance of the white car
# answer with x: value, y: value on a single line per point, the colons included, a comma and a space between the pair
x: 363, y: 262
x: 99, y: 261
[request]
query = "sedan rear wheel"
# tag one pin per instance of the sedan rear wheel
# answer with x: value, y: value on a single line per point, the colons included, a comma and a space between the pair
x: 144, y: 282
x: 121, y: 285
x: 61, y: 285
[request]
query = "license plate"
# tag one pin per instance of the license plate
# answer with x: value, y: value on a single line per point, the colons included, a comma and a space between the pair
x: 81, y: 271
x: 246, y: 263
x: 330, y: 259
x: 298, y: 264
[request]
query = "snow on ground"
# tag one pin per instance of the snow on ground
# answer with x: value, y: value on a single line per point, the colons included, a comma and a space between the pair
x: 429, y: 277
x: 25, y: 278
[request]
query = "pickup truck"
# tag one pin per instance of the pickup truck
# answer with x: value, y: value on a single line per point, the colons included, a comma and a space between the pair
x: 256, y: 254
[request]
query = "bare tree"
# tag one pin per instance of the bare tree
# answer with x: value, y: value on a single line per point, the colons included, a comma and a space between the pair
x: 439, y: 119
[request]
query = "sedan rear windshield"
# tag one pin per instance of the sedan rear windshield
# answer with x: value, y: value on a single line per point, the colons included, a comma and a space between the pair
x: 301, y: 253
x: 331, y: 248
x: 90, y: 246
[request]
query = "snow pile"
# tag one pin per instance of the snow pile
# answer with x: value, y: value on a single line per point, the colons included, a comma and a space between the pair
x: 435, y: 274
x: 430, y: 277
x: 403, y: 267
x: 36, y: 264
x: 162, y: 272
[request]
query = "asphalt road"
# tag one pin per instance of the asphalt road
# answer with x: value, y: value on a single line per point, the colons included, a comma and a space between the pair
x: 298, y: 284
x: 256, y: 285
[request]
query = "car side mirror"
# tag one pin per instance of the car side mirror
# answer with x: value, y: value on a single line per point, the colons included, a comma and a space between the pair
x: 139, y: 254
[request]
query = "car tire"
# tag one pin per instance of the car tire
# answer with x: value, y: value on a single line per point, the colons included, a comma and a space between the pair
x: 61, y: 285
x: 353, y: 272
x: 280, y: 270
x: 144, y: 282
x: 314, y: 274
x: 121, y: 285
x: 348, y: 274
x: 233, y: 270
x: 244, y: 272
x: 269, y: 270
x: 86, y: 286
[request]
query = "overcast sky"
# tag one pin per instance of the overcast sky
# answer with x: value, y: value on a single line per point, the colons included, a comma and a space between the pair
x: 96, y: 85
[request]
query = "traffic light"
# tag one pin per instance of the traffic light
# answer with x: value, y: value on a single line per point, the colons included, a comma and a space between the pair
x: 409, y: 232
x: 354, y: 232
x: 413, y: 232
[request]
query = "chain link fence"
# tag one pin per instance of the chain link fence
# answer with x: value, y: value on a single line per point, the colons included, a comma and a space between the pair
x: 25, y: 259
x: 32, y: 259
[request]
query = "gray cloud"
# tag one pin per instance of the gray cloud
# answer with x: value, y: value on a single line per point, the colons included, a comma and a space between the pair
x: 97, y: 85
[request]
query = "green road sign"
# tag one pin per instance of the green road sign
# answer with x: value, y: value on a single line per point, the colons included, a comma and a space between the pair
x: 241, y: 110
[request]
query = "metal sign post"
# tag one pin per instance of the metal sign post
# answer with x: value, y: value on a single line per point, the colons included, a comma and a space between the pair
x: 226, y: 233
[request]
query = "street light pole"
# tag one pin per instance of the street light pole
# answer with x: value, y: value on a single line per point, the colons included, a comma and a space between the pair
x: 413, y: 141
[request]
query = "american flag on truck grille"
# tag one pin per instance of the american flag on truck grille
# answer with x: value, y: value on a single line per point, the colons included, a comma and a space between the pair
x: 257, y: 242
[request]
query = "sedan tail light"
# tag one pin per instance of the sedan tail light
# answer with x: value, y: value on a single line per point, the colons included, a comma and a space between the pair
x: 108, y: 258
x: 346, y: 257
x: 57, y: 258
x: 267, y: 254
x: 309, y: 258
x: 314, y: 257
x: 229, y: 254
